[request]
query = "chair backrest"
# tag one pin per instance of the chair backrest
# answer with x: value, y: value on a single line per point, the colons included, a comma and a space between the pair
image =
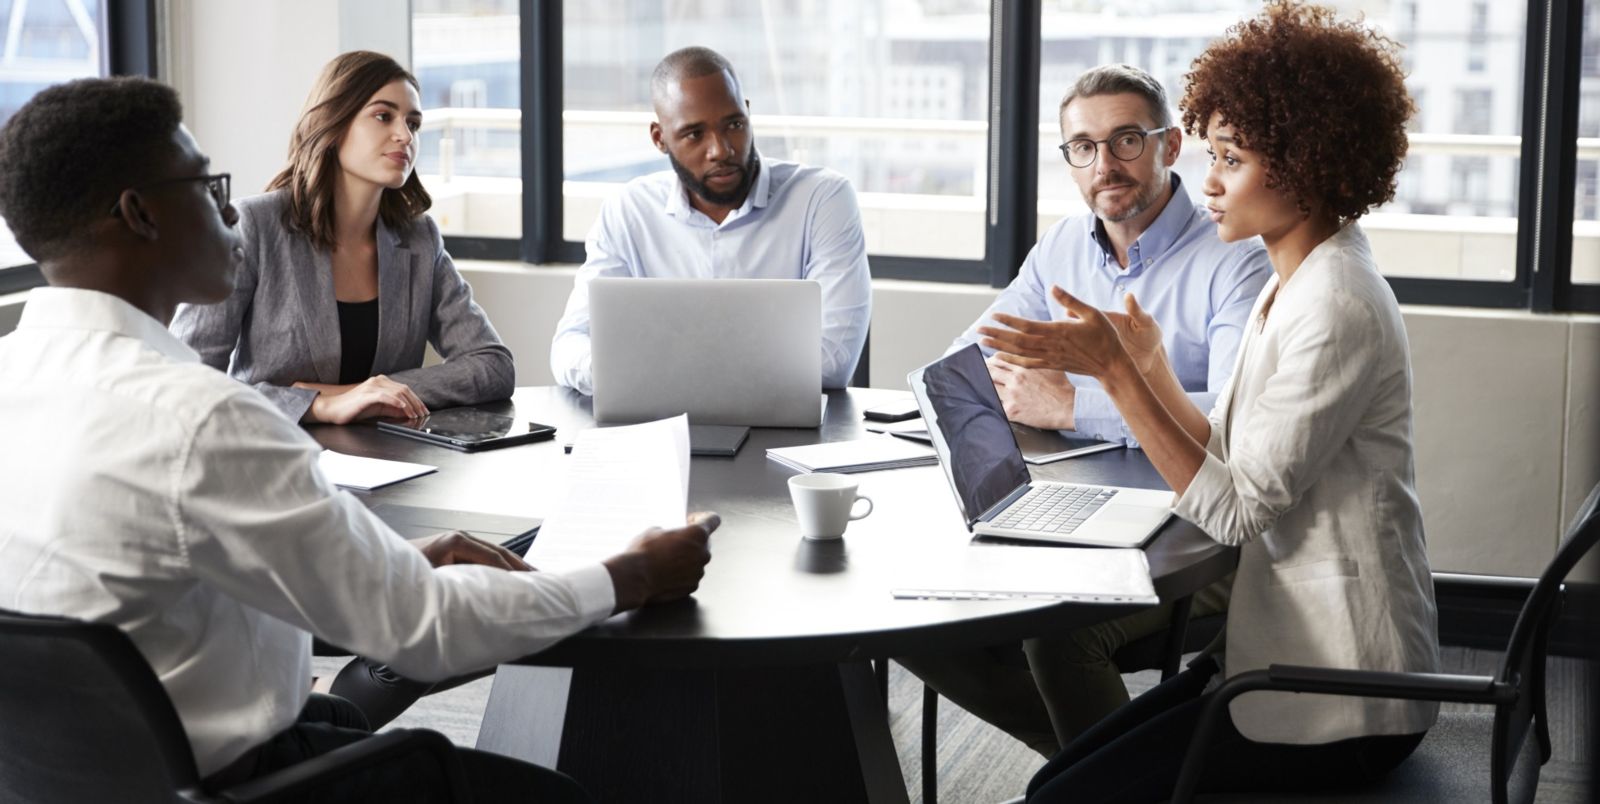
x: 1539, y: 612
x: 1525, y: 654
x: 84, y: 717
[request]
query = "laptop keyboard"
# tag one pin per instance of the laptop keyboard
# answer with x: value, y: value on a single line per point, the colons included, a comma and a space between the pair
x: 1054, y: 509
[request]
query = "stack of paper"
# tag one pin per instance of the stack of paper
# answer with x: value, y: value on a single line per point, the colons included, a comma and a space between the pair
x: 621, y: 482
x: 366, y: 474
x: 860, y: 455
x: 1006, y: 572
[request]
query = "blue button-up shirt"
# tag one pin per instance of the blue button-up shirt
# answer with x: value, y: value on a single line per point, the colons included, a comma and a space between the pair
x: 797, y: 222
x: 1198, y: 288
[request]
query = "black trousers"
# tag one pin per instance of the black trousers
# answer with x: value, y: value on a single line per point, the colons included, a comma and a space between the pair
x: 1135, y: 754
x: 329, y: 722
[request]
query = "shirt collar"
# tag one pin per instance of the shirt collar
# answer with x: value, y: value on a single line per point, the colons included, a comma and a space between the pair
x: 78, y: 309
x: 677, y: 204
x: 1163, y: 232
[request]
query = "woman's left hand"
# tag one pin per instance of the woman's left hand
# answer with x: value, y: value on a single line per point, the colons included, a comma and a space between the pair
x: 1085, y: 343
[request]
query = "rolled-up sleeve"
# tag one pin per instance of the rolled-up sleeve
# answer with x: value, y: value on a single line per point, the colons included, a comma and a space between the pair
x: 1305, y: 412
x: 837, y: 259
x: 477, y: 365
x: 259, y: 521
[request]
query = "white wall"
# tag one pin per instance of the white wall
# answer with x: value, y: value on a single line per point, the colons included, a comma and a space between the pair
x: 245, y: 67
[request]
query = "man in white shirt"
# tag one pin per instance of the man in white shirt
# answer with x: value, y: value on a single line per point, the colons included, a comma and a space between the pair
x: 724, y: 212
x: 142, y: 488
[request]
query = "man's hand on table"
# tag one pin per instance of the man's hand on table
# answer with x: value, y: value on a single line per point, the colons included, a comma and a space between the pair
x: 456, y: 547
x: 662, y: 565
x: 1040, y: 398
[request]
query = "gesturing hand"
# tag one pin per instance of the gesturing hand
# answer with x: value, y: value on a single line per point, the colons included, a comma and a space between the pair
x: 1087, y: 342
x: 377, y: 396
x: 456, y: 547
x: 1140, y: 333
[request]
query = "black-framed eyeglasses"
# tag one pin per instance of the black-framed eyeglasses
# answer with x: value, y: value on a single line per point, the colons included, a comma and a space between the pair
x: 1125, y: 145
x: 219, y: 185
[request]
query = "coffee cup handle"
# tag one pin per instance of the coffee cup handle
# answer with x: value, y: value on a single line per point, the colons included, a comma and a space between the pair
x: 864, y: 514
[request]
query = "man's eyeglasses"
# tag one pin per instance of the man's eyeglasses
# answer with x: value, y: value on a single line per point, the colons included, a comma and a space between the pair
x: 1125, y: 145
x: 219, y: 185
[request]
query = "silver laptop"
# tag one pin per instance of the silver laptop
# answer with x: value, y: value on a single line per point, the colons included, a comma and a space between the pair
x: 980, y: 456
x: 725, y: 351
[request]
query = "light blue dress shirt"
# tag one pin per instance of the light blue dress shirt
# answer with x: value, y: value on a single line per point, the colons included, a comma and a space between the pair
x: 798, y: 222
x: 1198, y: 288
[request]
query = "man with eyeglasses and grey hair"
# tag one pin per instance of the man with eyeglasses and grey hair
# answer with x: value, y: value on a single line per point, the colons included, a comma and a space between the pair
x: 1143, y: 245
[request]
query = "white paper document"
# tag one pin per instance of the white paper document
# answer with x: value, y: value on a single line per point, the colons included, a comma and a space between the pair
x: 366, y: 474
x: 620, y: 481
x: 859, y: 455
x: 1007, y: 572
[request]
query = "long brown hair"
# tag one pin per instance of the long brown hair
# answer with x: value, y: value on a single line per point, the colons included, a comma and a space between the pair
x: 341, y: 91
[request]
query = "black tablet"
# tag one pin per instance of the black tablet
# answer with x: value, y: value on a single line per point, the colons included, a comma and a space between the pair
x: 468, y: 429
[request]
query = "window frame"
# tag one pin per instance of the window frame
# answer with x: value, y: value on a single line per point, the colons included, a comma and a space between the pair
x: 1542, y: 280
x: 129, y: 43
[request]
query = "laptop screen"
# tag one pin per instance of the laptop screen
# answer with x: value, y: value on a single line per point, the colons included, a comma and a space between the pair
x: 969, y: 429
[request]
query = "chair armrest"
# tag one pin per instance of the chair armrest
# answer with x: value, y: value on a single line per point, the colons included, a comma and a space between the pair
x: 1384, y: 684
x: 1331, y: 681
x: 294, y: 782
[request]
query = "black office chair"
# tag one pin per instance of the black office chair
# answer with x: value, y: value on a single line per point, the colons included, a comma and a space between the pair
x: 1451, y: 755
x: 86, y: 720
x: 1162, y: 650
x: 862, y: 378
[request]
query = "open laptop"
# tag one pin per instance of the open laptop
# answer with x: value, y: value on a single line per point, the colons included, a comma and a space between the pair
x: 980, y: 456
x: 725, y: 351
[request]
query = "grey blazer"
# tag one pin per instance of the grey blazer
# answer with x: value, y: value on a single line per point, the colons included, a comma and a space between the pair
x: 281, y: 324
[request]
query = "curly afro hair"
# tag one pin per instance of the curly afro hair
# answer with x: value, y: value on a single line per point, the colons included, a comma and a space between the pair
x: 69, y: 152
x: 1322, y: 101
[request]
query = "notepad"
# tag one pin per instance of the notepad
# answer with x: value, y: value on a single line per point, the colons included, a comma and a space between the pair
x: 858, y: 455
x: 1008, y: 572
x: 1038, y: 446
x: 366, y: 474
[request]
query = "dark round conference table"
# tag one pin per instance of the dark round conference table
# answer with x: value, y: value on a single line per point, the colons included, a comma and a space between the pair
x: 759, y: 687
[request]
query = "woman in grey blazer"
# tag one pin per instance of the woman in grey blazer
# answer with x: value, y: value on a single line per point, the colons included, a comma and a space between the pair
x: 345, y: 278
x: 1306, y: 461
x: 345, y: 281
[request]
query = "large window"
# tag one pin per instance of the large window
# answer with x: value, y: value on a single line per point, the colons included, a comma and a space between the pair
x: 44, y: 42
x: 1454, y: 215
x: 891, y: 93
x: 536, y: 112
x: 1586, y: 209
x: 467, y: 54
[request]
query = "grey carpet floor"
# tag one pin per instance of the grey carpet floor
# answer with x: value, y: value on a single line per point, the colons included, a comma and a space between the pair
x: 978, y: 763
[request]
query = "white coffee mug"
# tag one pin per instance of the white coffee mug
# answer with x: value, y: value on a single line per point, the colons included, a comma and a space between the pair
x: 823, y: 503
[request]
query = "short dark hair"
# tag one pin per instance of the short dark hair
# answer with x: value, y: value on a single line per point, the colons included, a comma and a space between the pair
x: 1322, y: 100
x: 1120, y: 79
x: 688, y: 62
x: 68, y: 153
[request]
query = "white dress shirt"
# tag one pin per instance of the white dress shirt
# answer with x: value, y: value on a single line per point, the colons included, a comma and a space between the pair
x: 797, y: 222
x: 144, y: 489
x: 1310, y: 470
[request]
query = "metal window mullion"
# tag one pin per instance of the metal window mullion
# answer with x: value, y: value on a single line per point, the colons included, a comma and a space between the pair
x: 542, y: 170
x: 1011, y: 220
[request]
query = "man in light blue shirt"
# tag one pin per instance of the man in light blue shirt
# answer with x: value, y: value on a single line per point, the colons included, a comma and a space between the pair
x: 1144, y: 237
x: 724, y: 212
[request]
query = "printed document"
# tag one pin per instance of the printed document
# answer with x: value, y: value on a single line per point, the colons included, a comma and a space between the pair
x: 1007, y: 572
x: 620, y: 482
x: 366, y: 474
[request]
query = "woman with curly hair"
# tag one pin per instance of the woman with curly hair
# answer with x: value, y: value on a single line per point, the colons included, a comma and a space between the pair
x: 1306, y: 461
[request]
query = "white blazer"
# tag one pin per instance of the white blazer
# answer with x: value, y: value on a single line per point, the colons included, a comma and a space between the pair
x: 1310, y: 470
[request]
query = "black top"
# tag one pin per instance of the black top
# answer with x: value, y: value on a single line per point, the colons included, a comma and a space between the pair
x: 358, y: 340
